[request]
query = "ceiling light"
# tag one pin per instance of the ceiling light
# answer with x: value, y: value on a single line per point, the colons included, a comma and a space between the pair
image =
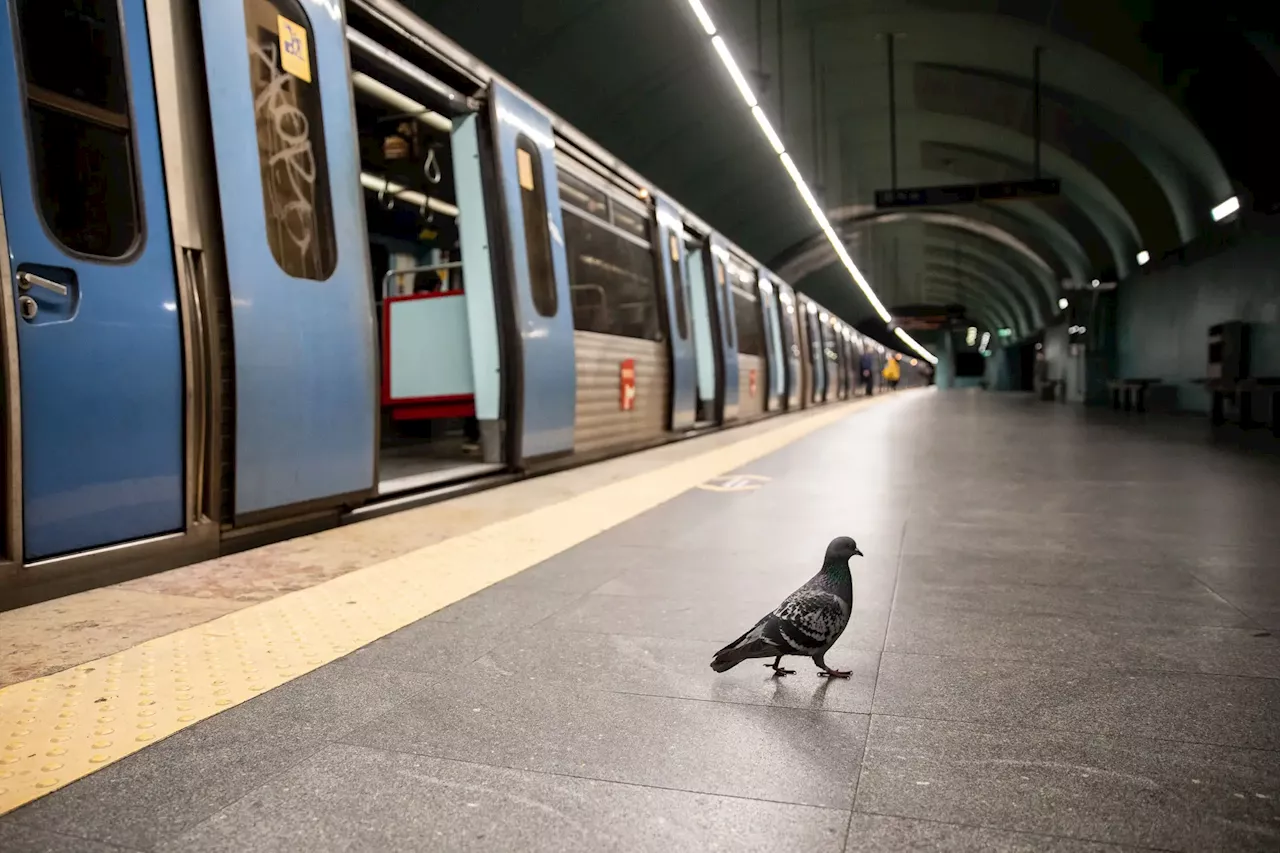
x: 734, y: 71
x: 769, y: 132
x: 986, y: 339
x: 971, y: 336
x: 1225, y: 209
x: 1095, y: 282
x: 803, y: 188
x: 703, y: 17
x: 911, y: 342
x: 1143, y: 257
x: 1063, y: 303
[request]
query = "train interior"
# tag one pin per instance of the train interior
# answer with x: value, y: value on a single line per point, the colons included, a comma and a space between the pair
x: 702, y: 327
x: 428, y: 430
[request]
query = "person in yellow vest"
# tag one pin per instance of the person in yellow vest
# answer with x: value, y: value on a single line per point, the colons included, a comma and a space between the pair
x: 892, y: 373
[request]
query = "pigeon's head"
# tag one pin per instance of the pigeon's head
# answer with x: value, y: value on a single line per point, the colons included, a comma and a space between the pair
x: 841, y: 549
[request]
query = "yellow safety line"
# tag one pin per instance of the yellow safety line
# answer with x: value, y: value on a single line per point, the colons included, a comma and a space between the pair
x: 61, y: 727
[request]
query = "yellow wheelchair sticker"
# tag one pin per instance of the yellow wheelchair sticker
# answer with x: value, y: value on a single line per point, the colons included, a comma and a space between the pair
x: 295, y: 58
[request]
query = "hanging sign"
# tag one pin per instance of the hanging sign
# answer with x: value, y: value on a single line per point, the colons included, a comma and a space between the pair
x: 628, y: 383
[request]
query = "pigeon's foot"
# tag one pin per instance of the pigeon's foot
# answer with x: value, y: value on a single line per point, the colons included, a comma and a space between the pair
x: 835, y: 673
x: 778, y: 671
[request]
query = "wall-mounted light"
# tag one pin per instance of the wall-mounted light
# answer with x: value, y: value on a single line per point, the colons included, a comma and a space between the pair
x: 1225, y: 209
x: 1063, y: 303
x: 1095, y: 283
x: 1143, y: 257
x: 986, y: 339
x: 970, y: 336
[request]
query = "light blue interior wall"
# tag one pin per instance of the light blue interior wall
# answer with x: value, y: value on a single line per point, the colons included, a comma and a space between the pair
x: 1164, y: 316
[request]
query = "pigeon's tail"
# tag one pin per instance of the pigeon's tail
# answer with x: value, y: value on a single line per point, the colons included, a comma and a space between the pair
x: 749, y: 645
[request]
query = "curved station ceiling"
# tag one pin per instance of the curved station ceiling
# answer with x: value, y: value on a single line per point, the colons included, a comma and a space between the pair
x: 1143, y: 122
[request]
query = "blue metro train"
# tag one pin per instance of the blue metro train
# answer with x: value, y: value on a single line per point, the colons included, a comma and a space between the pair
x: 278, y: 264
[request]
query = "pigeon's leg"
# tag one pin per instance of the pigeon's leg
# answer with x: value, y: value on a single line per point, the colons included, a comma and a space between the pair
x: 777, y: 669
x: 828, y: 672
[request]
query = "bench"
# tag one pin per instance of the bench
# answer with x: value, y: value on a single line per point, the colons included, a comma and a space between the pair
x: 1130, y: 393
x: 1243, y: 392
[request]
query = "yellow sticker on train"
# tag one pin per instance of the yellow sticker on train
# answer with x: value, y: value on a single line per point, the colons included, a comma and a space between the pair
x: 524, y: 169
x: 295, y: 57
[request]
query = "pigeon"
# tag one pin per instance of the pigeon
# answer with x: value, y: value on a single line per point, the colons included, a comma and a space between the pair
x: 808, y: 622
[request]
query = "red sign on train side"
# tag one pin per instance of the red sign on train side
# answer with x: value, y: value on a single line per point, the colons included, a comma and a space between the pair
x: 628, y: 381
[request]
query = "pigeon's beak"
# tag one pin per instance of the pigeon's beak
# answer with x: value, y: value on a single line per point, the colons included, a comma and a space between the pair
x: 857, y: 553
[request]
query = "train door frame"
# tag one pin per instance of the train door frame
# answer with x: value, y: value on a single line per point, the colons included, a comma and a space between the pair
x: 718, y: 281
x: 710, y: 347
x: 792, y: 396
x: 775, y: 356
x: 670, y: 251
x: 392, y: 80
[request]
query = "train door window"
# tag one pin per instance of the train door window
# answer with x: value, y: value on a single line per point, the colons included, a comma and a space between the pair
x: 79, y: 119
x: 703, y: 339
x: 677, y: 286
x: 537, y: 231
x: 612, y: 276
x: 291, y: 149
x: 746, y: 315
x: 722, y: 280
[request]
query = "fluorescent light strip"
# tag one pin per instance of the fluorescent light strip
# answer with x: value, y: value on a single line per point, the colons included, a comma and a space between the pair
x: 703, y: 17
x: 734, y: 71
x: 789, y: 164
x: 911, y: 342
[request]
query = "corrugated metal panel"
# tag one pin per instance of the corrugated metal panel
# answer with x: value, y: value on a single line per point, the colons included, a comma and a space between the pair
x: 599, y: 421
x: 750, y: 405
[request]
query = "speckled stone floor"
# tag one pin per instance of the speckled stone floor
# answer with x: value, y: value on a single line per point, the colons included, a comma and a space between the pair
x: 1062, y: 640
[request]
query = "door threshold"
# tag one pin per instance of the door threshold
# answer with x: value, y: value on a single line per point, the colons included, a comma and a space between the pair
x: 438, y: 477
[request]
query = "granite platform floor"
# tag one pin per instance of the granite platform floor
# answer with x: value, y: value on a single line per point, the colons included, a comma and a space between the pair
x: 1062, y: 640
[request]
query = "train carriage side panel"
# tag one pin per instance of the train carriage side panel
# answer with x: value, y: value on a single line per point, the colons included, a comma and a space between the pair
x: 623, y: 368
x: 608, y: 412
x: 298, y: 268
x: 526, y: 170
x: 745, y: 294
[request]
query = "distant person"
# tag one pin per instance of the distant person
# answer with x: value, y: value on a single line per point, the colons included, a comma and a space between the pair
x: 892, y: 373
x: 867, y: 364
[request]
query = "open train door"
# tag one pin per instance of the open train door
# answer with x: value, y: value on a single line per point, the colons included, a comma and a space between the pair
x: 546, y: 385
x: 297, y: 263
x: 726, y: 327
x: 684, y: 380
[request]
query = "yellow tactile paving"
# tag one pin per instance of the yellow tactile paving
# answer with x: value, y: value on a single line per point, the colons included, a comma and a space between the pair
x: 61, y: 727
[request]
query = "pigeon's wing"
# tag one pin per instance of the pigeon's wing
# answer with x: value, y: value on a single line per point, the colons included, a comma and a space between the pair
x: 810, y: 620
x: 759, y: 642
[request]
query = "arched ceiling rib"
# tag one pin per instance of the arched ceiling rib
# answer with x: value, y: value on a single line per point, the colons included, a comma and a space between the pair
x: 1137, y: 171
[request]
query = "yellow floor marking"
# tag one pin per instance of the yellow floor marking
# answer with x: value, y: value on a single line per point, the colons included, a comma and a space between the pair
x: 59, y: 728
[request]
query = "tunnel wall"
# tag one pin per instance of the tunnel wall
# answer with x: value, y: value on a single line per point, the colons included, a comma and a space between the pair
x: 1164, y: 316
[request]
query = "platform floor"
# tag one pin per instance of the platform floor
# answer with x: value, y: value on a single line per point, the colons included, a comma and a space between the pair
x: 1062, y: 640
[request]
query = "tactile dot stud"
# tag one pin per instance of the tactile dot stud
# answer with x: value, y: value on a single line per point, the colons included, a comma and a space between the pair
x: 51, y: 766
x: 46, y: 783
x: 146, y: 736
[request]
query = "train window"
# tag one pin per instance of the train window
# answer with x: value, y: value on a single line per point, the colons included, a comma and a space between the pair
x: 291, y: 150
x: 537, y: 231
x: 630, y: 221
x: 611, y: 276
x: 582, y: 196
x: 80, y: 124
x: 677, y: 286
x: 747, y: 317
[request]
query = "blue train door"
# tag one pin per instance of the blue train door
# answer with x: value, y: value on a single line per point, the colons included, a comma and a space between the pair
x: 285, y: 146
x: 684, y: 379
x: 92, y: 275
x: 540, y: 274
x: 723, y: 301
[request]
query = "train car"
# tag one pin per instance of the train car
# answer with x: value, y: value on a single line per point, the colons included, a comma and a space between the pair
x: 280, y: 265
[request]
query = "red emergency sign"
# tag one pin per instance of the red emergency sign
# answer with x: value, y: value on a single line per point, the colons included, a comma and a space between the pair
x: 628, y: 382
